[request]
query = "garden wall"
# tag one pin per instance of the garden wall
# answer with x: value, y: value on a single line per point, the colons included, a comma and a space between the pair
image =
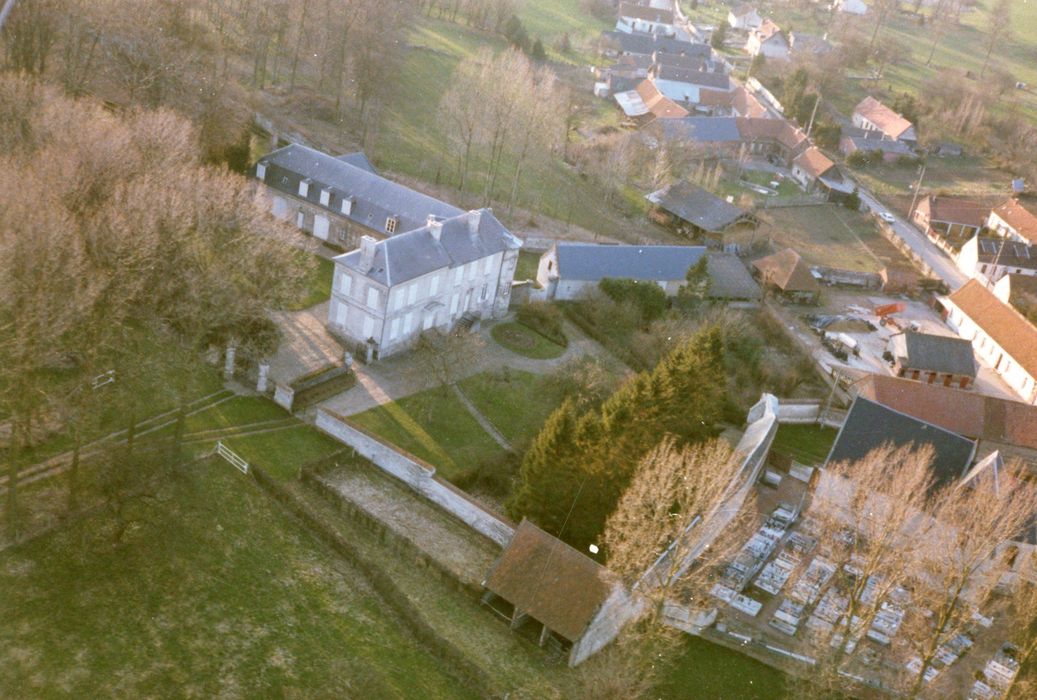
x: 417, y: 474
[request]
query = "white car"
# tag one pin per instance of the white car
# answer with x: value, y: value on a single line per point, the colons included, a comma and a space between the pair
x: 887, y: 217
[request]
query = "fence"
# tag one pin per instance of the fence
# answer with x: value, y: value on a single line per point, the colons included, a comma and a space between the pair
x: 232, y: 457
x: 418, y: 475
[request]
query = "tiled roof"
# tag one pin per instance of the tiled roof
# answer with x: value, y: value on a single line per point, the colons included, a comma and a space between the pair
x: 963, y: 412
x: 768, y: 30
x: 870, y: 425
x: 888, y: 121
x: 645, y: 13
x: 746, y: 104
x: 657, y: 103
x: 788, y: 271
x: 1006, y: 326
x: 592, y: 262
x: 697, y: 206
x: 678, y: 74
x: 728, y: 278
x: 550, y: 581
x: 1022, y: 216
x: 934, y: 353
x: 813, y: 162
x: 647, y: 44
x: 704, y: 129
x: 470, y: 236
x: 955, y: 210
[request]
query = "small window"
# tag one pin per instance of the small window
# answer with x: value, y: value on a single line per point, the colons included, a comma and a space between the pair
x: 284, y: 179
x: 325, y: 198
x: 345, y: 283
x: 372, y: 297
x: 261, y: 171
x: 390, y: 224
x: 304, y: 188
x: 412, y: 293
x: 433, y: 288
x: 347, y: 205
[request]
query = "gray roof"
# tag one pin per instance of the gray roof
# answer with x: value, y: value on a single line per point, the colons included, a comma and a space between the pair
x: 470, y: 236
x: 697, y: 206
x: 934, y: 353
x: 375, y: 197
x: 703, y: 129
x: 646, y: 44
x: 863, y: 143
x: 592, y: 262
x: 870, y: 425
x: 1007, y: 253
x: 721, y: 81
x: 358, y: 160
x: 728, y: 278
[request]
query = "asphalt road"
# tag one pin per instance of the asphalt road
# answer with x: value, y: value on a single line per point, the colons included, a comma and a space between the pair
x: 935, y: 258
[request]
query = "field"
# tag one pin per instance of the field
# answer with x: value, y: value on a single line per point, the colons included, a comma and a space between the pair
x: 959, y: 176
x: 317, y: 285
x: 807, y: 444
x: 528, y: 263
x: 216, y: 593
x: 525, y: 341
x: 706, y: 671
x: 830, y: 235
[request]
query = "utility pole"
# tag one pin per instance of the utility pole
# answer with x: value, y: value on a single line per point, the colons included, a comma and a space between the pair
x: 918, y: 189
x: 8, y: 6
x: 810, y: 126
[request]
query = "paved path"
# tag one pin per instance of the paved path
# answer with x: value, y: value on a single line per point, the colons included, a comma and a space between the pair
x: 395, y: 377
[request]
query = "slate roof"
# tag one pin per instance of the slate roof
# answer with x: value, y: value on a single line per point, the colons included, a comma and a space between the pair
x: 788, y: 271
x: 646, y: 13
x: 934, y: 353
x: 647, y: 44
x: 549, y: 580
x: 375, y: 197
x: 704, y: 129
x: 864, y: 143
x: 1022, y: 216
x: 470, y: 236
x: 358, y: 160
x: 889, y: 122
x: 728, y: 278
x: 678, y: 74
x: 963, y: 412
x: 870, y: 425
x: 1006, y: 326
x: 659, y: 263
x: 697, y: 206
x: 1007, y: 253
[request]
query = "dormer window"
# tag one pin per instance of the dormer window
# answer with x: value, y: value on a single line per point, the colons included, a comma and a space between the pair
x: 325, y: 197
x: 347, y: 205
x: 260, y: 171
x: 391, y: 223
x: 304, y: 188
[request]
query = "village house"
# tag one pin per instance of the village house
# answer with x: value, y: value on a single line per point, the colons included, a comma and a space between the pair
x: 338, y: 200
x: 646, y: 103
x: 685, y: 79
x: 933, y: 359
x: 953, y: 220
x: 810, y: 166
x: 614, y: 44
x: 386, y: 293
x: 1000, y: 335
x: 1015, y: 218
x: 789, y: 275
x: 768, y: 40
x: 850, y: 7
x: 645, y: 19
x: 744, y: 17
x: 990, y: 258
x: 1019, y: 291
x: 695, y: 212
x: 569, y: 600
x: 803, y: 45
x: 872, y: 115
x: 854, y: 139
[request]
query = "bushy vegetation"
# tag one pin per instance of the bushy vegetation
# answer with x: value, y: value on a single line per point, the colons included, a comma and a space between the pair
x: 545, y: 319
x: 647, y: 297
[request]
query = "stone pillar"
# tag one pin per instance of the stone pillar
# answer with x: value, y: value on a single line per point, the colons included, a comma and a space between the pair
x: 544, y: 634
x: 264, y: 370
x: 516, y: 618
x: 228, y: 362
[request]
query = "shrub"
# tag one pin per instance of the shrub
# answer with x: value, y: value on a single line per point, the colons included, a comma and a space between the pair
x: 545, y: 319
x: 492, y: 476
x: 858, y: 159
x: 649, y: 298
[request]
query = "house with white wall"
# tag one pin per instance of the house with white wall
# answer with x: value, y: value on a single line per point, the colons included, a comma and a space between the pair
x: 386, y: 293
x: 1016, y: 219
x: 744, y: 17
x: 645, y: 19
x: 339, y: 199
x: 1001, y: 336
x: 990, y: 258
x: 768, y: 40
x: 850, y: 7
x: 872, y: 115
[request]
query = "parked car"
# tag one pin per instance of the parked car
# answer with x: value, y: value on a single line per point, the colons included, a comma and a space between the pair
x: 887, y: 217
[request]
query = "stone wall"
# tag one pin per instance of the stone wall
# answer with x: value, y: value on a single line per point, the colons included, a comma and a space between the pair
x: 418, y: 475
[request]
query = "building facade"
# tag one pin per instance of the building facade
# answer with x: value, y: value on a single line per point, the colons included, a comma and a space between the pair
x: 386, y: 293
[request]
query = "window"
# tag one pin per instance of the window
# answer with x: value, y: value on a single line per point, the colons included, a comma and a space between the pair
x: 261, y: 171
x: 433, y: 286
x: 341, y: 312
x: 394, y: 328
x: 300, y: 219
x: 412, y: 293
x: 372, y: 297
x: 397, y: 299
x: 368, y: 327
x: 390, y: 224
x: 453, y: 304
x: 550, y: 265
x: 487, y: 264
x: 484, y: 292
x: 983, y: 269
x: 345, y: 283
x: 325, y: 197
x: 458, y: 271
x: 408, y: 323
x: 304, y: 188
x: 347, y: 205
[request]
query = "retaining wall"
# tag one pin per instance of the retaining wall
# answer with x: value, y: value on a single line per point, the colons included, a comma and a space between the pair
x: 418, y: 475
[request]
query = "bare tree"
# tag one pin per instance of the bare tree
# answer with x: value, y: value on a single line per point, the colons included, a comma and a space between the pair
x: 999, y: 29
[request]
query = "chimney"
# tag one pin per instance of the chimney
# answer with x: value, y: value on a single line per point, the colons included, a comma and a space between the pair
x: 367, y: 246
x: 435, y: 226
x: 474, y: 217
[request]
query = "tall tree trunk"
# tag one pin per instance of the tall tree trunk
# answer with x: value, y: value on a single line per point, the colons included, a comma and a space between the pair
x: 298, y: 43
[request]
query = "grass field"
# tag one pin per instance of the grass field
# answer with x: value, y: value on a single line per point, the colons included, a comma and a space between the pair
x: 807, y: 444
x: 706, y: 671
x: 517, y: 403
x: 830, y: 235
x: 960, y: 176
x: 317, y: 286
x: 217, y: 593
x: 525, y: 341
x: 528, y: 263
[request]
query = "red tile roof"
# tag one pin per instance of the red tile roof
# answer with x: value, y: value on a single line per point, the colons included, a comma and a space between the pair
x: 659, y: 104
x: 888, y: 121
x: 813, y: 162
x: 1020, y: 216
x: 788, y: 271
x: 1006, y: 326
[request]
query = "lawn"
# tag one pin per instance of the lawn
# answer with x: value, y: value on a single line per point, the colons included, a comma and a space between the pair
x: 317, y: 285
x: 435, y: 426
x: 216, y: 593
x: 517, y: 403
x: 524, y: 341
x: 528, y: 264
x: 830, y: 235
x: 707, y: 671
x: 807, y: 444
x: 240, y: 410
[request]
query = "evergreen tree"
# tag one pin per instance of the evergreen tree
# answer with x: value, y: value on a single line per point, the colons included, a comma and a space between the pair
x: 716, y: 40
x: 537, y: 53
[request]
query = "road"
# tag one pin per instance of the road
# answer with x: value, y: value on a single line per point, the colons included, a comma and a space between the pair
x: 942, y: 266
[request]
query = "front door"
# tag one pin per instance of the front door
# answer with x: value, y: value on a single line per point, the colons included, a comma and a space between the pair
x: 320, y: 227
